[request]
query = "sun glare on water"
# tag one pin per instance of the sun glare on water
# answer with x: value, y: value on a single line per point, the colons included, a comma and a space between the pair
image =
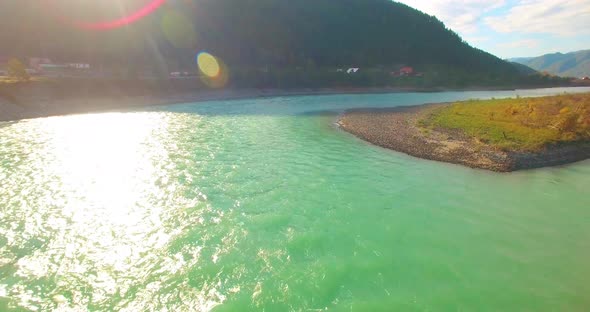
x: 104, y: 155
x: 112, y: 209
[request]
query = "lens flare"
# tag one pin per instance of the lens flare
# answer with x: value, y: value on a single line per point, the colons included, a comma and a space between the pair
x: 214, y: 72
x: 130, y: 18
x: 208, y: 64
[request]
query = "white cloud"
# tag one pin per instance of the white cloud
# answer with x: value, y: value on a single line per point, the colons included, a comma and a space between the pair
x: 525, y: 43
x: 514, y: 27
x: 560, y: 17
x: 461, y: 16
x: 476, y: 39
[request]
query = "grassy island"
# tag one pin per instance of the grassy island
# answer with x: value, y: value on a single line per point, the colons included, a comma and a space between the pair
x: 497, y: 134
x: 526, y: 124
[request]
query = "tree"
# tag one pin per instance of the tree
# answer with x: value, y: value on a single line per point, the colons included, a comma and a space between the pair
x: 17, y: 69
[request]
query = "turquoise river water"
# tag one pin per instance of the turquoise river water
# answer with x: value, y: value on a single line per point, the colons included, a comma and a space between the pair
x: 265, y: 205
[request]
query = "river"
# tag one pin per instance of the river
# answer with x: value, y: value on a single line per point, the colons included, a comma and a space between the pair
x: 265, y: 205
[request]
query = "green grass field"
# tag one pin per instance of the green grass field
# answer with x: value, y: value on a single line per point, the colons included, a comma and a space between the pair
x: 524, y: 124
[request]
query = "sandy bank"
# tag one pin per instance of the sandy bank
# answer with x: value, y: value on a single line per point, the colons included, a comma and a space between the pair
x: 397, y: 129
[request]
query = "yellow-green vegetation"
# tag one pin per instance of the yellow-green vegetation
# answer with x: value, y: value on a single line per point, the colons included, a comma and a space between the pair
x: 11, y: 80
x: 8, y: 80
x: 525, y: 124
x: 17, y: 70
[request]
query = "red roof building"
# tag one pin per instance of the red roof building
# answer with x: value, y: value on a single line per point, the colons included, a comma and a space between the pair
x: 405, y: 71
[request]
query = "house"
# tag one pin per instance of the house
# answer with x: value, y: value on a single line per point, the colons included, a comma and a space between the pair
x: 352, y: 70
x: 79, y: 65
x: 32, y: 71
x: 180, y: 74
x: 406, y: 71
x: 37, y: 63
x: 53, y: 70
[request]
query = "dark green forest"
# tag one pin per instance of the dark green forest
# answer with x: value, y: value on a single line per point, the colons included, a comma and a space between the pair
x: 275, y: 43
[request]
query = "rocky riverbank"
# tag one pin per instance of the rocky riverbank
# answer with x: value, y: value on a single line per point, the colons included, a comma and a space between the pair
x: 71, y: 96
x: 399, y: 129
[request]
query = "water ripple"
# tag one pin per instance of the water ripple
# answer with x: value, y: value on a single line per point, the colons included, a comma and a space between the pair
x: 265, y: 205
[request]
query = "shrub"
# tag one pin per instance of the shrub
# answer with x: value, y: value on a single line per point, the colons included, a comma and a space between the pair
x: 568, y: 123
x: 17, y: 70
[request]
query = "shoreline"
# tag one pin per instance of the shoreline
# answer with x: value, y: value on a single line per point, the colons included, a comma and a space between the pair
x: 38, y: 101
x: 397, y: 129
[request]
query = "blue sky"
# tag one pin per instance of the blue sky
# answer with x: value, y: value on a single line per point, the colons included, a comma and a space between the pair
x: 512, y: 28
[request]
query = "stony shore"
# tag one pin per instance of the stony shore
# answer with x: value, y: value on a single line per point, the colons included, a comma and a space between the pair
x: 43, y: 100
x: 36, y: 100
x: 398, y: 129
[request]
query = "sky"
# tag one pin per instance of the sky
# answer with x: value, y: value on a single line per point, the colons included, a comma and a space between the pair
x: 513, y: 28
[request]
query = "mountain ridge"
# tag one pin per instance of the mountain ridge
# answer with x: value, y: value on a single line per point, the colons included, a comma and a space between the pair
x: 572, y: 64
x: 257, y: 33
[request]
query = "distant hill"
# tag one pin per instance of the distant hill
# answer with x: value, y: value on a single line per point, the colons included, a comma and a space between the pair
x: 574, y: 64
x: 523, y: 69
x: 286, y: 33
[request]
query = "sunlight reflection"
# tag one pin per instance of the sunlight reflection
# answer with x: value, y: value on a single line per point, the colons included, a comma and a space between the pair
x: 111, y: 207
x: 103, y: 155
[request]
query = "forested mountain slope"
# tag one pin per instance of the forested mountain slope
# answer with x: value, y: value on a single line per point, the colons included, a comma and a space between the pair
x: 283, y: 33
